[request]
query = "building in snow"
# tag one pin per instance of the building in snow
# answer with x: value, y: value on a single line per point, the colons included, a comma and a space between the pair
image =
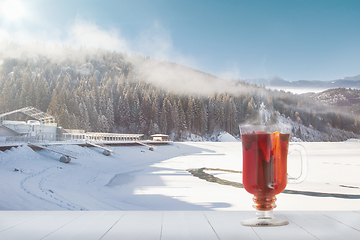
x: 160, y: 137
x: 41, y: 128
x: 75, y: 135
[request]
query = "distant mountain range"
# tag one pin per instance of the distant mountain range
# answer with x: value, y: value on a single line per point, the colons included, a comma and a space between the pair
x: 278, y: 82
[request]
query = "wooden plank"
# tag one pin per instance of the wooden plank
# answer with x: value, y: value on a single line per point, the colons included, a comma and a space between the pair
x: 227, y: 225
x: 321, y: 226
x: 136, y: 225
x: 10, y: 219
x: 290, y: 231
x: 90, y: 226
x: 199, y: 227
x: 175, y: 226
x: 53, y: 225
x: 41, y: 226
x: 186, y: 225
x: 351, y: 219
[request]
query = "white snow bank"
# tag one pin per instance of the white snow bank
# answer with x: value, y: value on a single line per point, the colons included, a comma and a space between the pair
x: 352, y: 140
x: 226, y: 137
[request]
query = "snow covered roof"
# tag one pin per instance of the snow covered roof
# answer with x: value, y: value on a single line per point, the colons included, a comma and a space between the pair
x: 34, y: 113
x: 7, y: 130
x: 7, y: 122
x: 159, y: 135
x: 101, y: 134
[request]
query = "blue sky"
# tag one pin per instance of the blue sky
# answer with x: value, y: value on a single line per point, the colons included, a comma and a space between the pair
x: 294, y: 39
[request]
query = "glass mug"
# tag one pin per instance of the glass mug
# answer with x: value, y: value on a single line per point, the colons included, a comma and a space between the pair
x: 265, y: 151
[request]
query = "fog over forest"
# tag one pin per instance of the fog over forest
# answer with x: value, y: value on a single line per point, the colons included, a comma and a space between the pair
x: 98, y: 90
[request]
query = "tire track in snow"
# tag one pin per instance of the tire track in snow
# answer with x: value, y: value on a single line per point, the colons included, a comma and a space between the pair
x: 46, y: 195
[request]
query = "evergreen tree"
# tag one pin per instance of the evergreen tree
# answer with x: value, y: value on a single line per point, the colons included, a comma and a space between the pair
x: 252, y: 114
x: 110, y: 114
x: 84, y: 116
x: 54, y: 106
x: 32, y: 94
x: 166, y: 123
x: 102, y: 102
x: 190, y: 115
x: 8, y: 96
x: 124, y: 114
x: 24, y: 97
x: 176, y: 124
x: 95, y: 92
x: 145, y: 114
x: 104, y: 125
x: 134, y: 111
x: 42, y: 95
x: 231, y: 125
x: 219, y: 111
x: 154, y: 122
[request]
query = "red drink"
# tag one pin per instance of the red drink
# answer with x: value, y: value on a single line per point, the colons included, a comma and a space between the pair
x: 265, y: 166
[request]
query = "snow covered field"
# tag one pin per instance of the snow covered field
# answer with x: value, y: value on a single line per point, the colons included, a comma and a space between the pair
x: 135, y: 178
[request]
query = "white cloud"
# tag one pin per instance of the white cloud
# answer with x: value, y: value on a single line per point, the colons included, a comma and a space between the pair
x: 231, y: 72
x: 84, y: 33
x: 155, y: 42
x: 80, y: 34
x: 4, y: 35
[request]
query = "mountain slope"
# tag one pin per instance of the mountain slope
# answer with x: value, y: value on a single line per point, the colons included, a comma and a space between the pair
x: 113, y: 92
x: 348, y: 100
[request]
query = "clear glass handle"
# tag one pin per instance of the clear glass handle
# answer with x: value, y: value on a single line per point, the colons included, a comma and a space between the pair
x: 304, y: 163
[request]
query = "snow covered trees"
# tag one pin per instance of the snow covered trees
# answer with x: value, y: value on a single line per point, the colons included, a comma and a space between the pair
x: 104, y: 92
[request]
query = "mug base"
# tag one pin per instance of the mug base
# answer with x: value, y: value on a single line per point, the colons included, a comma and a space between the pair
x: 264, y: 219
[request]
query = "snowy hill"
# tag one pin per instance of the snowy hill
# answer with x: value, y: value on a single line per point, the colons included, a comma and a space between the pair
x: 346, y: 99
x: 226, y: 137
x: 301, y: 133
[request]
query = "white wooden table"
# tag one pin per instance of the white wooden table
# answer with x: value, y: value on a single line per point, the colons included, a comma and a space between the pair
x: 15, y: 225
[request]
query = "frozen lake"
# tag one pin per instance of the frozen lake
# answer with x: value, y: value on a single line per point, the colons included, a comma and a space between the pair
x: 135, y: 178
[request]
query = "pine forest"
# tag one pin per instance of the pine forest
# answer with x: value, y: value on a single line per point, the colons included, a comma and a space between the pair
x: 103, y: 91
